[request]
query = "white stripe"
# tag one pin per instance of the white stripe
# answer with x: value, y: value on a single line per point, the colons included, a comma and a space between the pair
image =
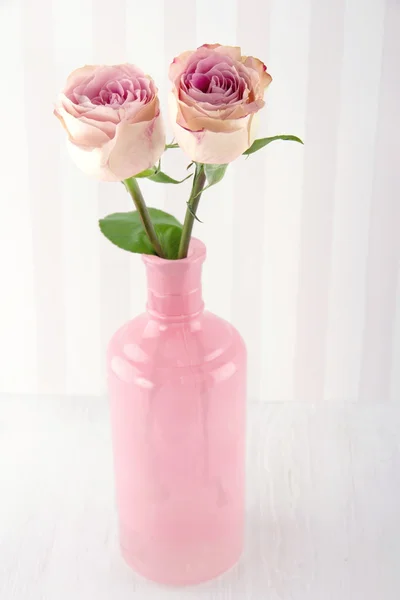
x: 18, y: 371
x: 80, y: 216
x: 145, y: 48
x: 286, y: 111
x: 109, y: 46
x: 395, y: 377
x: 43, y: 168
x: 320, y: 155
x: 384, y: 240
x: 356, y: 149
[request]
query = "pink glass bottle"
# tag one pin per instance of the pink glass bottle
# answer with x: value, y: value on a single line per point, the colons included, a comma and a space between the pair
x: 177, y: 384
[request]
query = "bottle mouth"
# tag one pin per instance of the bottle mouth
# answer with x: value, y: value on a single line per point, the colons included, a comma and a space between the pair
x: 174, y: 286
x: 197, y: 252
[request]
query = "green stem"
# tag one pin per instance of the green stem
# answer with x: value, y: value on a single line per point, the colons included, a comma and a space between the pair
x: 198, y: 184
x: 133, y: 188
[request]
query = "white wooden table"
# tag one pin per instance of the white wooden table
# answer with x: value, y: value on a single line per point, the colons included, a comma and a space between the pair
x: 323, y: 505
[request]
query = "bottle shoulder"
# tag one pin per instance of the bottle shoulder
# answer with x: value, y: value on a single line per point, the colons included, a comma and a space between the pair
x: 202, y: 341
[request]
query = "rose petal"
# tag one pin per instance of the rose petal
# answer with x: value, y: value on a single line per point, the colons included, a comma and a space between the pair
x: 209, y: 46
x: 91, y: 81
x: 135, y: 147
x: 115, y: 87
x: 93, y: 87
x: 258, y: 66
x: 138, y: 146
x: 214, y: 148
x: 233, y: 52
x: 189, y: 118
x: 74, y: 109
x: 98, y: 114
x: 79, y: 75
x: 135, y: 112
x: 130, y: 70
x: 103, y: 114
x: 127, y: 84
x: 211, y: 62
x: 178, y: 65
x: 83, y: 131
x: 200, y: 81
x: 236, y: 109
x: 146, y: 84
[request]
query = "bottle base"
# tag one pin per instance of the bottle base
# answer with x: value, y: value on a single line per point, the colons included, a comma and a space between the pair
x: 184, y: 579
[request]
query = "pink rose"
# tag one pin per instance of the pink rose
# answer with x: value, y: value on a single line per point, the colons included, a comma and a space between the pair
x: 216, y: 94
x: 112, y: 117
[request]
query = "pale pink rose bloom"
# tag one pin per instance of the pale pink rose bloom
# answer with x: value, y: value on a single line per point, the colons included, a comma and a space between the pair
x: 112, y: 117
x: 215, y: 96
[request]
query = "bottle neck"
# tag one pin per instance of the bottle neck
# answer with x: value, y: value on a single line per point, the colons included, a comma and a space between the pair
x: 174, y: 286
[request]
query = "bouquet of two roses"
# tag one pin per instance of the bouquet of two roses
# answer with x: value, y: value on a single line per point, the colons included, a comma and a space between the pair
x: 115, y: 133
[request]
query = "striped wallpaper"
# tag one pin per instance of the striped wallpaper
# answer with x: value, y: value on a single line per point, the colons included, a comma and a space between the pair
x: 303, y: 243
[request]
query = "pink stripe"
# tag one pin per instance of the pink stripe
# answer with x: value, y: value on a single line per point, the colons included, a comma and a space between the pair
x: 384, y: 238
x: 326, y: 49
x: 43, y: 138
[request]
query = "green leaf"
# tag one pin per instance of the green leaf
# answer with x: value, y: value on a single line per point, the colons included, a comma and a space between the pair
x: 214, y: 174
x: 147, y: 172
x: 170, y: 237
x: 258, y: 144
x: 170, y: 146
x: 169, y: 231
x: 154, y: 174
x: 161, y: 177
x: 190, y: 209
x: 159, y: 217
x: 126, y: 231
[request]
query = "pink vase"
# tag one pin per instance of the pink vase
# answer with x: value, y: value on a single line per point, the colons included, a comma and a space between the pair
x: 177, y: 384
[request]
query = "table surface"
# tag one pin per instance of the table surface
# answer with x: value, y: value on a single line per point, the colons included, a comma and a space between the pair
x: 323, y: 507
